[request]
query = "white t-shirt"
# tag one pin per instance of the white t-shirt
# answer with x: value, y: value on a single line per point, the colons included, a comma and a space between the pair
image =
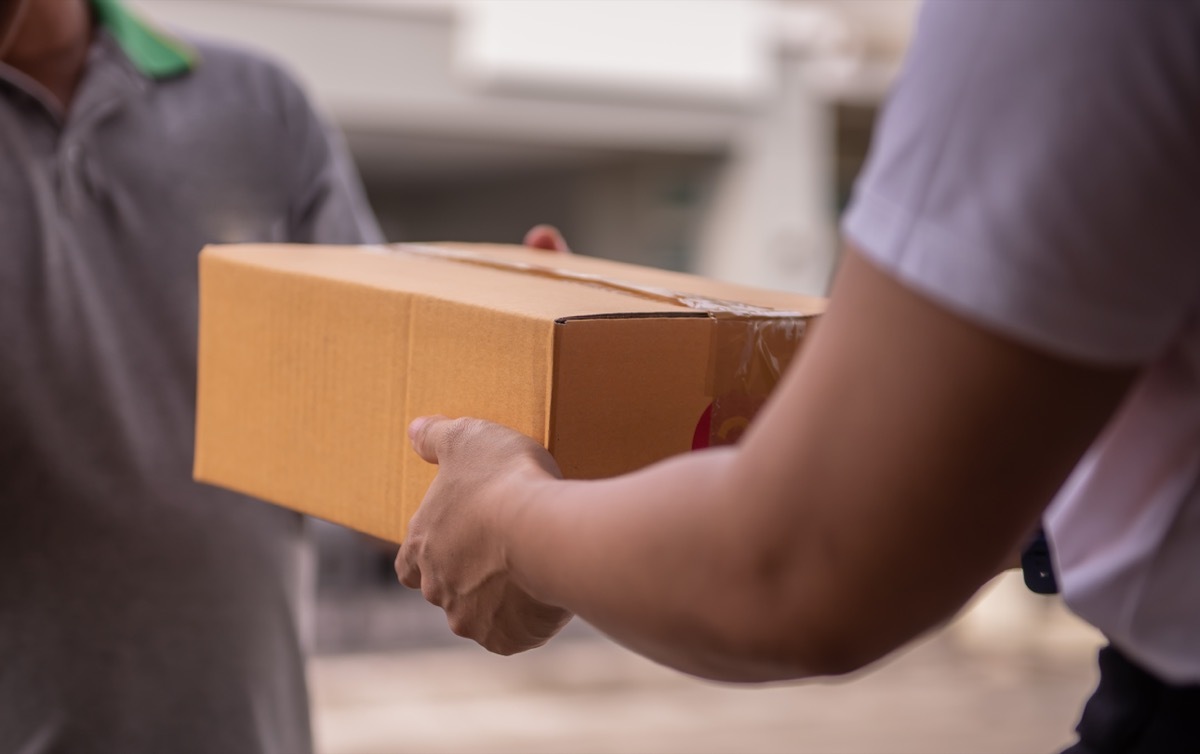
x: 1037, y: 171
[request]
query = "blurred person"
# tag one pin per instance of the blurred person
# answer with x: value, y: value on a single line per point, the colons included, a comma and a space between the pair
x: 1012, y: 336
x: 140, y: 613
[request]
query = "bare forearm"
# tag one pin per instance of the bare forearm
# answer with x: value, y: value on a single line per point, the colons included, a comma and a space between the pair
x: 663, y: 562
x: 902, y: 457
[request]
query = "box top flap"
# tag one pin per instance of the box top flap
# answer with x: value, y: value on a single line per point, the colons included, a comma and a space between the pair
x: 681, y: 283
x: 512, y: 279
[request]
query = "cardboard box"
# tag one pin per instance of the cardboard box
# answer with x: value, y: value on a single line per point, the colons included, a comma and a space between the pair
x: 313, y: 360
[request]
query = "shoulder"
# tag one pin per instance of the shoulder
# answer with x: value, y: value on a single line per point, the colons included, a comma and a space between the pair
x: 1036, y: 169
x: 254, y: 83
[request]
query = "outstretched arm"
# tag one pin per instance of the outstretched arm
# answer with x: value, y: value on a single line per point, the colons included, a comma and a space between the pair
x: 903, y: 458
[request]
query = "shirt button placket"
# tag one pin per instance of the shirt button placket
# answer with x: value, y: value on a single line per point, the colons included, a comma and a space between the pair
x: 69, y: 157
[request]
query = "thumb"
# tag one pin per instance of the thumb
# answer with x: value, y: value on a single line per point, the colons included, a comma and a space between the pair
x: 427, y: 434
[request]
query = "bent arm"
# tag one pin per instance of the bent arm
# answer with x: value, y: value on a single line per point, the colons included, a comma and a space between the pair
x: 902, y: 460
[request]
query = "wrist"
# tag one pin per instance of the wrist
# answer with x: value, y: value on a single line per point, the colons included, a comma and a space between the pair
x: 522, y: 525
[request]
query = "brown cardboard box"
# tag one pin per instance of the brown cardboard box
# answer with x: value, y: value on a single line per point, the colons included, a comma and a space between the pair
x: 313, y: 360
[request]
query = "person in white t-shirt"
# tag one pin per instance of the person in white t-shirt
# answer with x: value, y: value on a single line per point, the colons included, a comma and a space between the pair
x: 1012, y: 336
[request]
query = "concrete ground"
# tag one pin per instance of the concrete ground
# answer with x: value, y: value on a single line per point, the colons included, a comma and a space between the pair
x: 1007, y: 677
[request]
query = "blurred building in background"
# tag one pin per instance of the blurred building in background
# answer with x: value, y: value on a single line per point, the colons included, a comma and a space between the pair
x: 716, y: 137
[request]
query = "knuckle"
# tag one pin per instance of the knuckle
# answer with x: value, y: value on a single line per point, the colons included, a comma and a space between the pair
x: 449, y: 437
x: 456, y: 433
x: 459, y: 625
x: 460, y: 429
x: 404, y: 573
x: 432, y: 591
x: 408, y: 577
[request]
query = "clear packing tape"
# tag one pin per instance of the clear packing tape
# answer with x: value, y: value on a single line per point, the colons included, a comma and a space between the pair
x: 751, y: 348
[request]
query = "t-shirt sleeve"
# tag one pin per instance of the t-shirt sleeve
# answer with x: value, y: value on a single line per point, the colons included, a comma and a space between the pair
x: 328, y: 204
x: 1037, y: 170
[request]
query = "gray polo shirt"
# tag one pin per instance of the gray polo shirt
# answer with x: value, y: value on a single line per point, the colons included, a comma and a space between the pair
x: 139, y: 612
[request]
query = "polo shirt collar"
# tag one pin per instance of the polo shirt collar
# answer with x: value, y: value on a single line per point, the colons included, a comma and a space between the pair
x: 155, y: 54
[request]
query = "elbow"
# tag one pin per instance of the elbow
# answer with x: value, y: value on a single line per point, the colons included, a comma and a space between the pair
x: 838, y: 657
x: 810, y: 651
x: 801, y: 627
x: 791, y: 608
x: 775, y: 641
x: 795, y: 656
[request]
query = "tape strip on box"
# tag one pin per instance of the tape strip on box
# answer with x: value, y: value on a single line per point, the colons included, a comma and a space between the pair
x: 752, y: 345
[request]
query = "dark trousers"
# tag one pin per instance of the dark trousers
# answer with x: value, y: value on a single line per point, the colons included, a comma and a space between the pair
x: 1132, y: 712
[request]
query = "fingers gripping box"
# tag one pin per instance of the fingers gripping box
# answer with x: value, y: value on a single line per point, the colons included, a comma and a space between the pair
x: 314, y: 359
